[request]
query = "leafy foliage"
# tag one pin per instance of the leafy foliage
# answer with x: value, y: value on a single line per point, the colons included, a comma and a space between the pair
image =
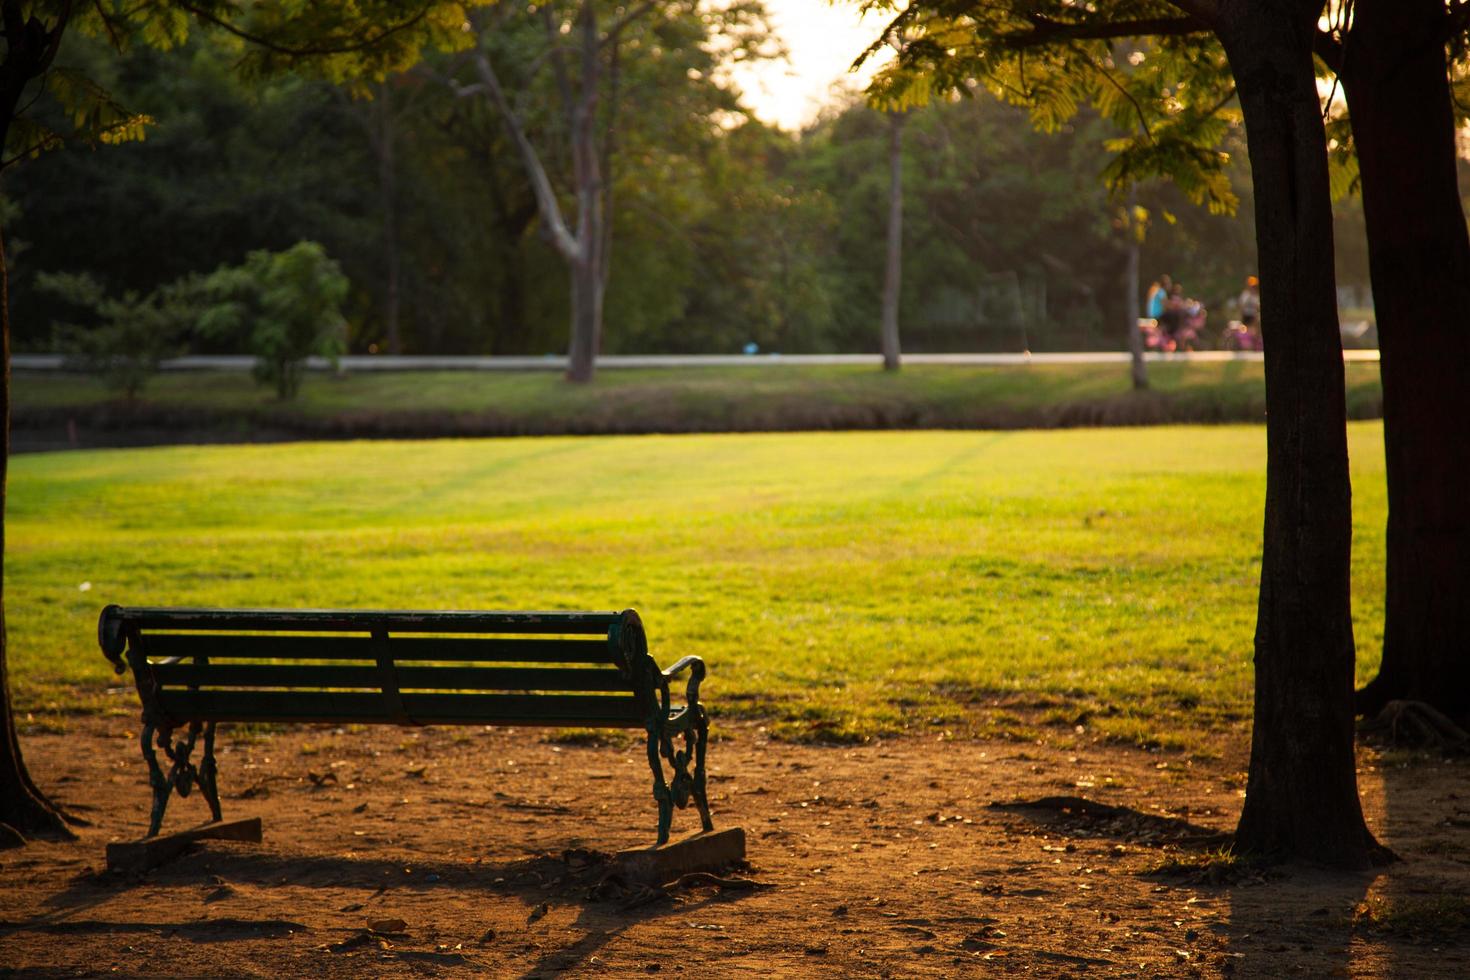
x: 132, y: 335
x: 343, y: 42
x: 1153, y: 73
x: 285, y: 305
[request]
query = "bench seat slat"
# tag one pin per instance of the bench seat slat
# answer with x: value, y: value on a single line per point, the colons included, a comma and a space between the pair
x: 334, y: 707
x: 279, y: 647
x: 399, y: 621
x: 409, y: 678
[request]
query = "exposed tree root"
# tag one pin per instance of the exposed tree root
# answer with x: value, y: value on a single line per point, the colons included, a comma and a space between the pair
x: 10, y: 837
x: 1415, y: 724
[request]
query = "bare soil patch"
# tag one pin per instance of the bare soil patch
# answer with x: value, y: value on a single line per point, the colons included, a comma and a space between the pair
x: 427, y: 852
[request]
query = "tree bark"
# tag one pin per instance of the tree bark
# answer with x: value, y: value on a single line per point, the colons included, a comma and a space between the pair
x: 586, y: 267
x: 586, y: 321
x: 385, y: 144
x: 23, y: 807
x: 1137, y: 365
x: 1301, y: 799
x: 893, y: 271
x: 30, y: 46
x: 1394, y: 76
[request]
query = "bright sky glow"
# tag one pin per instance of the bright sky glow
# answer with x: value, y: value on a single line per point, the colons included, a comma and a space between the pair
x: 822, y: 39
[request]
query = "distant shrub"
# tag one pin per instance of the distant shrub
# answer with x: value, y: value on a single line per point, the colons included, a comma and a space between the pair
x: 284, y: 306
x: 127, y: 336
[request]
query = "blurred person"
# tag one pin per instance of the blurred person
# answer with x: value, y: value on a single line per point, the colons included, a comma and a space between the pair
x: 1158, y: 296
x: 1250, y: 303
x: 1172, y: 316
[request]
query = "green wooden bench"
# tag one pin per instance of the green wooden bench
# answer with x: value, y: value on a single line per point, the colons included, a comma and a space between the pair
x: 196, y: 668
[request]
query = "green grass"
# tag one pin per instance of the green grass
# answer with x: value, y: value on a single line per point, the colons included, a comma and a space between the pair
x: 839, y: 585
x: 704, y: 399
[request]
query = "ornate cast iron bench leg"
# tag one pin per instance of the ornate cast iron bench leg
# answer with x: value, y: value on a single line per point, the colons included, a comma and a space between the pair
x: 208, y: 774
x: 661, y: 794
x: 701, y: 800
x: 685, y: 786
x: 161, y: 784
x: 183, y: 775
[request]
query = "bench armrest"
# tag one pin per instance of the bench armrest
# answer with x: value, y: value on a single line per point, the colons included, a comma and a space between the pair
x: 111, y: 638
x: 695, y: 666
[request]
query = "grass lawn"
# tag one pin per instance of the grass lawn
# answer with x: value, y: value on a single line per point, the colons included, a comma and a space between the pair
x: 667, y: 400
x: 839, y: 585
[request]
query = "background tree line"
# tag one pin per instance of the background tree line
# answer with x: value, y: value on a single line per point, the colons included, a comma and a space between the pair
x: 725, y: 231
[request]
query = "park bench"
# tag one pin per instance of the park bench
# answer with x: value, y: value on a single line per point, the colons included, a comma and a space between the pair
x: 197, y: 668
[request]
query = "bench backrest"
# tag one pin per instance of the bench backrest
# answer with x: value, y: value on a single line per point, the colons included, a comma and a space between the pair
x: 335, y: 666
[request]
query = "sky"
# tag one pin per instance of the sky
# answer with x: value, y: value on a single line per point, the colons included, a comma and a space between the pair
x: 822, y: 39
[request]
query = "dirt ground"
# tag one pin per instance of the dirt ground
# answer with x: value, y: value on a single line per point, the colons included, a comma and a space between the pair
x: 881, y: 860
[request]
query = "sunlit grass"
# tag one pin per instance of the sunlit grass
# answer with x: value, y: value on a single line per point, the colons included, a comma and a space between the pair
x: 839, y: 585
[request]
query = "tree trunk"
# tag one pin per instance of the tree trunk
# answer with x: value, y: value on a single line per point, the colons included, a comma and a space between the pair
x: 1301, y: 800
x: 1394, y: 77
x: 586, y: 320
x: 893, y: 272
x: 1139, y: 366
x: 385, y: 145
x: 23, y: 807
x: 586, y: 265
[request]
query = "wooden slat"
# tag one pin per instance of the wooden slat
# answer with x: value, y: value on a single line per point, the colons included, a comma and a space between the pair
x: 299, y: 676
x: 363, y: 620
x: 286, y: 647
x: 159, y: 645
x: 502, y: 651
x: 334, y: 707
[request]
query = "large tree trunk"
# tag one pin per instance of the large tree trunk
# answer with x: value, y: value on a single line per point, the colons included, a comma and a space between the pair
x: 1301, y: 799
x: 24, y: 809
x: 893, y: 270
x: 1393, y: 74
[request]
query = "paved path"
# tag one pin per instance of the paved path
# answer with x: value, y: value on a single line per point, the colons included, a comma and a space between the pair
x: 383, y: 362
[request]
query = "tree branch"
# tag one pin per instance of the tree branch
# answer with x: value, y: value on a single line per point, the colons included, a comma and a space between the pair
x: 330, y: 47
x: 1046, y: 31
x: 558, y: 60
x: 622, y: 22
x: 561, y: 237
x: 1327, y: 47
x: 1206, y: 11
x: 1123, y: 90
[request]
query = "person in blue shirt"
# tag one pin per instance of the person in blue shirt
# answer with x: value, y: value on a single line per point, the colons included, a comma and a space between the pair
x: 1158, y: 295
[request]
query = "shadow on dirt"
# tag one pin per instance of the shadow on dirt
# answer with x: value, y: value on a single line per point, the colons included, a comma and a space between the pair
x: 585, y: 879
x: 1081, y: 817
